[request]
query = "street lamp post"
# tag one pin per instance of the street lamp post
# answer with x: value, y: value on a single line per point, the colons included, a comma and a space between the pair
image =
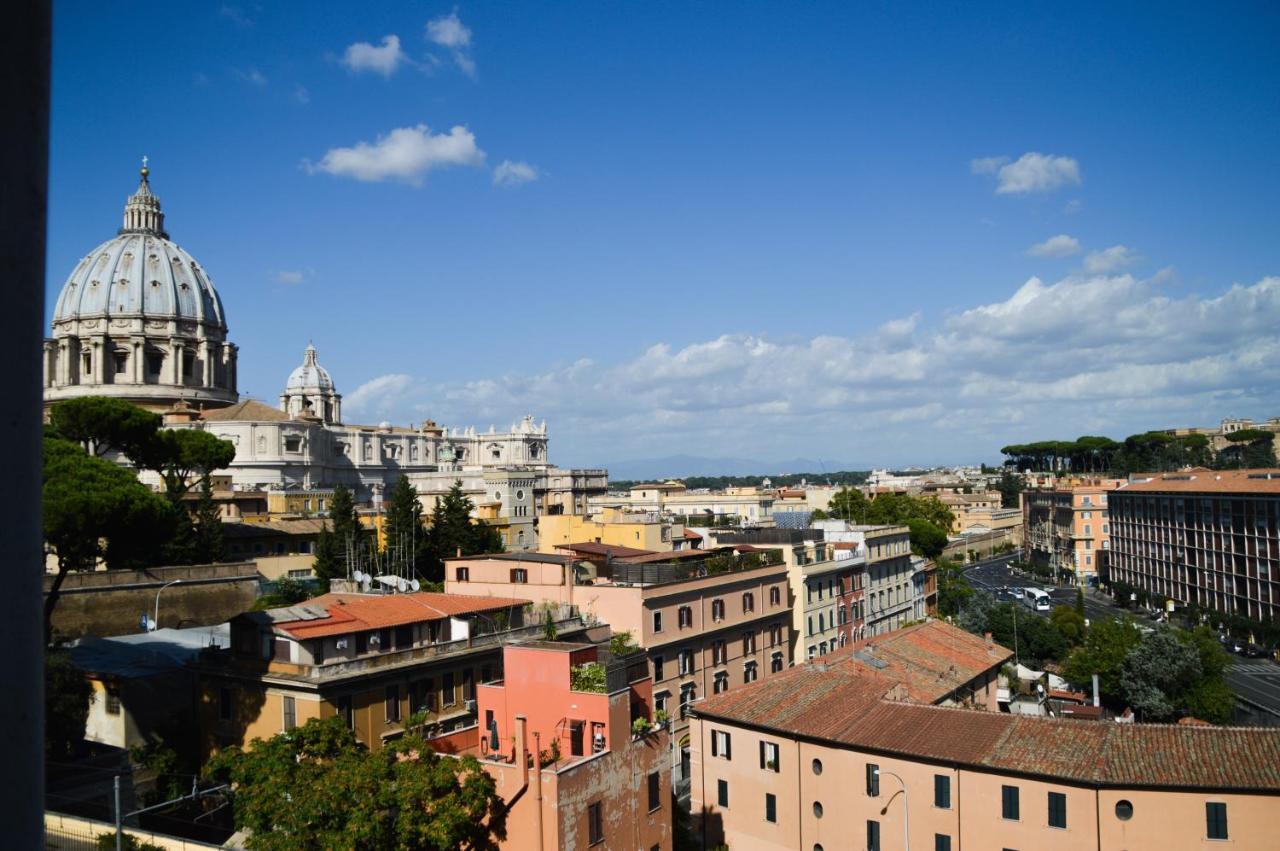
x: 906, y: 810
x: 155, y: 621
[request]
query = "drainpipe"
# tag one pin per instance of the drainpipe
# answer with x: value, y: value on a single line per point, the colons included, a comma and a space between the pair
x: 1096, y: 701
x: 537, y: 781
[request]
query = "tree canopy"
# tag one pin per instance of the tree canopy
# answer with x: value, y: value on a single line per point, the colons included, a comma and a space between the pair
x: 101, y: 424
x: 1152, y: 451
x: 182, y: 457
x: 932, y: 519
x: 66, y: 705
x: 316, y: 787
x: 342, y: 540
x: 404, y: 539
x: 453, y: 529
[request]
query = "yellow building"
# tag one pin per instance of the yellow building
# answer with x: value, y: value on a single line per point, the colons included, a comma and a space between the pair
x: 642, y: 531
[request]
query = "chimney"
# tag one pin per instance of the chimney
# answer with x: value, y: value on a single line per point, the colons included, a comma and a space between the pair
x: 459, y: 552
x: 1096, y: 701
x: 522, y: 748
x: 987, y: 636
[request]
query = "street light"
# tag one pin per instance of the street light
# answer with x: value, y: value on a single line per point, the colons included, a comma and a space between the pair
x: 906, y: 810
x: 155, y: 621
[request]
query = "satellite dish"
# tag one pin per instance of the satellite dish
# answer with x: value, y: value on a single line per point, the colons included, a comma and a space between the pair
x: 357, y: 576
x: 366, y: 584
x: 402, y: 585
x: 415, y: 585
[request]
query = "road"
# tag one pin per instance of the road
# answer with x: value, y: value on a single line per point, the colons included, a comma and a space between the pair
x: 993, y: 574
x: 1257, y: 682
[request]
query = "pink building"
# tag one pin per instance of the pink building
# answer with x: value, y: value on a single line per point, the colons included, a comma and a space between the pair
x: 562, y: 736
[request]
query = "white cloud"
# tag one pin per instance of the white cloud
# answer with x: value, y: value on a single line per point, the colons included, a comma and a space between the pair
x: 1055, y: 246
x: 250, y: 75
x: 384, y: 60
x: 236, y: 15
x: 1073, y: 206
x: 379, y: 396
x: 1109, y: 260
x: 1031, y: 172
x: 510, y: 173
x: 1087, y: 354
x: 290, y: 277
x: 449, y: 31
x: 405, y: 154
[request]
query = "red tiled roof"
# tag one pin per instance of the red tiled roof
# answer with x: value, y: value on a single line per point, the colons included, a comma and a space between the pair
x: 874, y: 716
x: 690, y: 535
x: 1194, y: 481
x: 596, y: 549
x: 931, y: 659
x: 359, y: 612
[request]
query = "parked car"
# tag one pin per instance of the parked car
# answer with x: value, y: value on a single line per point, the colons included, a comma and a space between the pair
x: 1253, y: 651
x: 1237, y: 646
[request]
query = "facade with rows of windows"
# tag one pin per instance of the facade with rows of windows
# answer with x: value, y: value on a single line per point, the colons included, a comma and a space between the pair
x: 1205, y: 538
x: 1067, y: 527
x: 775, y: 766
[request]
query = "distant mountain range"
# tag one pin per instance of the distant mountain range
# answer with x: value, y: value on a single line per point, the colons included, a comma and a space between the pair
x: 679, y: 466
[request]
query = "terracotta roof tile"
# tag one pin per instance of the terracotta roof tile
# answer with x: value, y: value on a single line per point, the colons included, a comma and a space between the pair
x: 250, y: 410
x: 1208, y: 481
x: 359, y: 612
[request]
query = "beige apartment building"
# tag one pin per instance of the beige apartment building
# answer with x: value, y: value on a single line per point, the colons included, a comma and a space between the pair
x: 641, y: 530
x: 752, y: 506
x: 1067, y: 527
x: 705, y: 633
x: 774, y: 767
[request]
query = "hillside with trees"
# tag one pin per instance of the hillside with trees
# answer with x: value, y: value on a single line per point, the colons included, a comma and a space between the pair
x: 1149, y: 452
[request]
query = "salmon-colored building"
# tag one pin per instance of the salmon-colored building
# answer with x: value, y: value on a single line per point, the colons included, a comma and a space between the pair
x: 704, y: 632
x: 840, y: 756
x: 575, y: 765
x: 1066, y: 527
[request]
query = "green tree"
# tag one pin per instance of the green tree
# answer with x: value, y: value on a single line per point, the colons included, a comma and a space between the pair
x: 94, y: 510
x: 453, y: 531
x: 338, y: 548
x: 405, y: 541
x: 1034, y: 638
x: 101, y: 424
x: 66, y: 705
x: 954, y: 590
x: 182, y: 456
x: 1158, y: 671
x: 1105, y: 647
x: 975, y: 611
x: 330, y: 559
x: 209, y: 543
x: 1080, y: 602
x: 1068, y: 622
x: 1010, y: 485
x: 926, y: 538
x: 316, y: 787
x: 849, y: 504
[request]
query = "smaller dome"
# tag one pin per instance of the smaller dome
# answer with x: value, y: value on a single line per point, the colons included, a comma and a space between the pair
x: 311, y: 376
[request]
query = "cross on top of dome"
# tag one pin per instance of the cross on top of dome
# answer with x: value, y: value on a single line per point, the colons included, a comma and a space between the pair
x: 142, y: 212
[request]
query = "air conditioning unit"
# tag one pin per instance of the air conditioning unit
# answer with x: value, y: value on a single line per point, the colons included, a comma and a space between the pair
x: 471, y: 706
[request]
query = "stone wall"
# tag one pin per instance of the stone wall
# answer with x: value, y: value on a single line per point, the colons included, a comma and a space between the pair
x: 111, y: 602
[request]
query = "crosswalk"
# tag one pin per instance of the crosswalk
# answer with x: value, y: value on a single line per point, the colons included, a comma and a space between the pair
x: 1256, y: 668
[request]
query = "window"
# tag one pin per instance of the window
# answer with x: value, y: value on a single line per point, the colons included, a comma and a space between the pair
x: 717, y: 610
x: 660, y: 701
x: 685, y: 617
x: 686, y: 697
x: 449, y: 697
x: 942, y: 791
x: 1124, y: 810
x: 595, y: 823
x: 873, y: 835
x: 346, y: 712
x: 750, y: 673
x: 393, y: 703
x: 657, y: 668
x: 655, y: 791
x: 722, y: 793
x: 775, y: 596
x: 290, y: 713
x: 463, y: 574
x: 721, y: 744
x: 1057, y: 809
x: 769, y: 756
x: 292, y: 444
x: 720, y: 683
x: 657, y: 621
x: 748, y: 643
x: 1215, y: 815
x: 817, y: 766
x: 748, y: 602
x: 775, y: 663
x: 1009, y: 802
x: 873, y: 779
x: 771, y: 807
x: 817, y: 809
x: 941, y: 842
x: 469, y: 684
x: 519, y: 575
x: 113, y: 702
x: 226, y: 707
x: 718, y: 652
x: 686, y: 662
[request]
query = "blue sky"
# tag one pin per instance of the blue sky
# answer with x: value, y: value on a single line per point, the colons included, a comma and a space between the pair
x: 751, y: 230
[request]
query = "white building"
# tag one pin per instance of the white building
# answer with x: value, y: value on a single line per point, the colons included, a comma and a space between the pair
x: 139, y: 319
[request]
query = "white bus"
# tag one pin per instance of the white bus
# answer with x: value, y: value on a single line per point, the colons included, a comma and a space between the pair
x: 1036, y: 600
